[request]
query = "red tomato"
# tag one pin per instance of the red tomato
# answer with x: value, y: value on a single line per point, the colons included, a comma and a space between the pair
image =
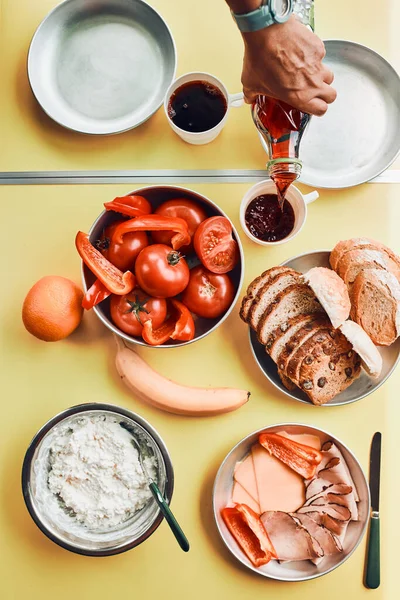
x: 122, y: 256
x: 130, y: 312
x: 208, y: 295
x: 187, y: 210
x: 161, y: 271
x: 215, y: 246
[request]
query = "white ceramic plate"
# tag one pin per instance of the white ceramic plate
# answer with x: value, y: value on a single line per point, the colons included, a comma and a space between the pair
x: 299, y: 570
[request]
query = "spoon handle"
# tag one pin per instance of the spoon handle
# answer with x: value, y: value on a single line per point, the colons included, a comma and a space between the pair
x: 169, y: 517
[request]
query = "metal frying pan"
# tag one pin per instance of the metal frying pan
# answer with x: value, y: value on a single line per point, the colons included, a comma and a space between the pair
x: 101, y: 66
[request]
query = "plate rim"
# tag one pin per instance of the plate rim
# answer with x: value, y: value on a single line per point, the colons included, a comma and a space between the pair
x: 29, y: 62
x: 288, y: 393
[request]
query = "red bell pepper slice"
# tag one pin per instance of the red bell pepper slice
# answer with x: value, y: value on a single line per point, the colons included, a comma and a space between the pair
x: 156, y: 223
x: 131, y: 206
x: 178, y: 326
x: 249, y: 532
x: 300, y: 458
x: 254, y: 522
x: 95, y: 294
x: 112, y: 278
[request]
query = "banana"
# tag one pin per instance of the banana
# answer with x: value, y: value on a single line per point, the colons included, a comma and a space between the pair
x: 172, y: 397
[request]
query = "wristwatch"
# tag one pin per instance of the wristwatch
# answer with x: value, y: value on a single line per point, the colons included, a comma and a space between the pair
x: 269, y: 13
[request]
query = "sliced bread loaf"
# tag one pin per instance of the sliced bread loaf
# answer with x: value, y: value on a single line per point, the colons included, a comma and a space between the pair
x: 255, y: 287
x: 356, y: 261
x: 293, y: 364
x: 317, y: 322
x: 282, y: 334
x: 376, y: 305
x: 328, y: 376
x: 268, y: 293
x: 288, y: 383
x: 294, y: 300
x: 345, y: 246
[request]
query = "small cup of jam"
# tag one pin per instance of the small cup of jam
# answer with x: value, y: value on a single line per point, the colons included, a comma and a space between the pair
x: 197, y: 106
x: 265, y: 222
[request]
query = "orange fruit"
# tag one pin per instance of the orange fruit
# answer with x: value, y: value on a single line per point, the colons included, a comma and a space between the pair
x: 52, y: 309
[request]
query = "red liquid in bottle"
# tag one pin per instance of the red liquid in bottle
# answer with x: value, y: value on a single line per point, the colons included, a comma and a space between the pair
x: 282, y: 126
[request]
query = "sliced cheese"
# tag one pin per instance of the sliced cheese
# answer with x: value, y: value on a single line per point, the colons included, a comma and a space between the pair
x: 307, y: 439
x: 241, y: 496
x: 245, y: 475
x: 278, y: 486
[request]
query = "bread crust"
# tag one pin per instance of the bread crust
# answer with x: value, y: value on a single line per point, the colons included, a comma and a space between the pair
x: 254, y: 314
x: 346, y: 245
x: 365, y: 258
x: 255, y: 286
x: 298, y: 339
x: 300, y: 289
x: 286, y: 331
x: 332, y: 293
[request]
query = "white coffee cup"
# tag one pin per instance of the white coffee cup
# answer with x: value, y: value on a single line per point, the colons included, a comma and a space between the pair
x: 202, y: 137
x: 298, y: 201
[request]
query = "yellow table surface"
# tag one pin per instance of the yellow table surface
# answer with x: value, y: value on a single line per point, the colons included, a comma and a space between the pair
x: 32, y: 141
x: 39, y: 380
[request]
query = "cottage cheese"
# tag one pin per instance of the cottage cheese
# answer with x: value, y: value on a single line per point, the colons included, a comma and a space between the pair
x: 95, y: 472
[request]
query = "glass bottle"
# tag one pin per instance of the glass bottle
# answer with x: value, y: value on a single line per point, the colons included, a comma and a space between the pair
x: 282, y: 126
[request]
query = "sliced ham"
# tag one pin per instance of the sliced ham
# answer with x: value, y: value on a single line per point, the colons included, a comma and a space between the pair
x: 319, y: 486
x: 336, y: 511
x: 333, y: 467
x: 331, y: 497
x: 241, y: 496
x: 332, y: 516
x: 289, y: 538
x: 329, y: 542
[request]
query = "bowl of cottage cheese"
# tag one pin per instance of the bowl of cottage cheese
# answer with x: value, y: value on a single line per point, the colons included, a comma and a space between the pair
x: 83, y: 484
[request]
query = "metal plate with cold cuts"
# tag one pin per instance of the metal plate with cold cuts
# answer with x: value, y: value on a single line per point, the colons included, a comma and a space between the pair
x: 101, y: 67
x: 359, y: 136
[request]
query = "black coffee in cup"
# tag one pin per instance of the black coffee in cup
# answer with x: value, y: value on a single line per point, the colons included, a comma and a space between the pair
x: 197, y: 106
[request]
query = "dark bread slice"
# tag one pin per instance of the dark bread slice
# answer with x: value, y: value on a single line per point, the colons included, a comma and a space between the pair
x: 345, y: 246
x: 293, y: 301
x: 317, y: 322
x: 282, y: 334
x: 255, y: 286
x: 288, y: 383
x: 376, y: 305
x: 268, y: 293
x: 321, y: 383
x: 293, y: 365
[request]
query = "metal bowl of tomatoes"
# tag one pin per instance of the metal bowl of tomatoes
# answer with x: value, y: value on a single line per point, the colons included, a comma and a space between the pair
x: 186, y: 279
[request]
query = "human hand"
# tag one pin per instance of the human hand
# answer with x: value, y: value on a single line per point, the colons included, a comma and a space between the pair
x: 284, y: 61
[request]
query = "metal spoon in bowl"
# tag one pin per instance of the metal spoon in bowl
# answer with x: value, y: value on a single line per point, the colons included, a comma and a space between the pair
x: 158, y: 497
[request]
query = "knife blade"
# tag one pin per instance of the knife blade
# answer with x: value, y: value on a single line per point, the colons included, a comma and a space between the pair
x: 375, y: 470
x: 372, y: 578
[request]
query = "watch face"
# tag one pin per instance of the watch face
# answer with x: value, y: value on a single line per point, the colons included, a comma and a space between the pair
x: 281, y: 8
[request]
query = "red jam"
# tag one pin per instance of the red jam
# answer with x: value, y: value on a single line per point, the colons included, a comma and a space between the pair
x: 265, y: 219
